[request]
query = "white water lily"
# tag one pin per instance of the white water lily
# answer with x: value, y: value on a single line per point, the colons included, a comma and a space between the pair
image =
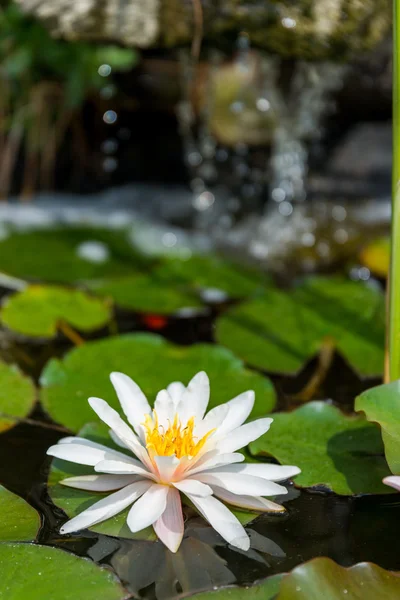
x: 178, y: 449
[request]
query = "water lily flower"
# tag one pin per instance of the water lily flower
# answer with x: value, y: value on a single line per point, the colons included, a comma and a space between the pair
x: 393, y: 481
x: 178, y: 448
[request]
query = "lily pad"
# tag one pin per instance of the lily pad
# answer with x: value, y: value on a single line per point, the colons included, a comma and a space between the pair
x: 321, y: 577
x: 153, y: 363
x: 145, y: 294
x: 381, y: 404
x: 280, y: 331
x: 266, y: 590
x: 38, y: 309
x: 17, y: 396
x: 341, y: 453
x: 19, y: 521
x: 54, y: 256
x: 39, y: 572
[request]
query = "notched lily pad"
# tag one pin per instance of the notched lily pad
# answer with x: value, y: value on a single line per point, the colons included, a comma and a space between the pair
x: 344, y: 454
x: 17, y: 396
x: 381, y: 405
x: 280, y: 331
x: 37, y: 310
x: 19, y: 521
x: 39, y: 572
x: 153, y: 363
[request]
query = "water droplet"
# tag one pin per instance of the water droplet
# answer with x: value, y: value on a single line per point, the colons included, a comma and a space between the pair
x: 110, y: 117
x: 214, y: 295
x: 263, y: 105
x: 285, y: 208
x: 341, y: 236
x: 237, y: 107
x: 278, y: 194
x: 203, y: 201
x: 194, y: 159
x: 169, y: 239
x: 197, y: 185
x: 288, y: 22
x: 104, y: 70
x: 339, y: 213
x: 221, y: 155
x: 108, y: 91
x: 110, y: 164
x: 109, y: 146
x: 93, y: 251
x: 308, y: 239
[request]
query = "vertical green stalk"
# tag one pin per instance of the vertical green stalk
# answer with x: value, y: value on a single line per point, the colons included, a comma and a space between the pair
x: 394, y: 278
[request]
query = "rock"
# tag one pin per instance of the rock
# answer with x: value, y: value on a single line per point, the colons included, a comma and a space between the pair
x: 307, y: 28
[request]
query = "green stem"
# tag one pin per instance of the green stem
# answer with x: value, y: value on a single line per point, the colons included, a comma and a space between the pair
x: 394, y: 290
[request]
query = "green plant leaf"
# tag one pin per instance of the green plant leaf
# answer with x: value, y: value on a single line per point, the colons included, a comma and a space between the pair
x: 280, y: 331
x: 17, y: 396
x: 266, y: 590
x: 19, y: 521
x: 321, y: 577
x: 38, y: 309
x: 119, y: 59
x: 39, y: 572
x: 144, y: 294
x: 381, y: 404
x: 344, y: 454
x: 153, y: 363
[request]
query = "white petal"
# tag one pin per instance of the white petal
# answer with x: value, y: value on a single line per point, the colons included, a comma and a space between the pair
x: 193, y: 487
x: 239, y: 410
x: 393, y: 481
x: 214, y: 459
x: 82, y: 453
x: 266, y: 471
x: 166, y: 466
x: 243, y: 435
x: 133, y: 402
x: 98, y: 483
x: 165, y: 409
x: 149, y: 508
x: 116, y: 440
x: 212, y: 420
x: 249, y: 502
x: 222, y: 520
x: 246, y: 485
x: 120, y: 467
x: 170, y: 526
x: 194, y: 400
x: 175, y: 390
x: 106, y: 507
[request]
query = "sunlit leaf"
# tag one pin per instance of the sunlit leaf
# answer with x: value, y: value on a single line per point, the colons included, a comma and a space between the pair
x: 341, y: 453
x: 19, y: 522
x: 17, y: 396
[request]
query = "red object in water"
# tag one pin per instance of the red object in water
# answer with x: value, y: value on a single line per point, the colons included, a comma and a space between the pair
x: 155, y: 321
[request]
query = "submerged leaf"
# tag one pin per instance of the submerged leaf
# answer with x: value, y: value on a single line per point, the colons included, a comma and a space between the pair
x: 344, y: 454
x: 38, y: 309
x: 280, y: 331
x: 41, y: 572
x: 17, y: 396
x: 153, y: 363
x: 19, y: 522
x: 266, y: 590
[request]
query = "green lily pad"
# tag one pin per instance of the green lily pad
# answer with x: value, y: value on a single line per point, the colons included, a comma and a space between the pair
x: 17, y: 396
x: 153, y: 363
x: 144, y: 294
x: 52, y: 255
x: 210, y: 271
x: 321, y: 577
x: 266, y: 590
x: 344, y: 454
x: 381, y: 404
x: 280, y: 331
x: 19, y: 521
x: 38, y: 309
x: 39, y: 572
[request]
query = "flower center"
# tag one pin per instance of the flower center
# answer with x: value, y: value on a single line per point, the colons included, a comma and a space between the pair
x: 174, y: 440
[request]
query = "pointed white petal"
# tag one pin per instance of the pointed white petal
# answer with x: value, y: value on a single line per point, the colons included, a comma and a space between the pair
x: 249, y: 502
x: 193, y: 487
x: 264, y: 470
x: 99, y: 483
x: 119, y: 467
x: 222, y: 520
x: 149, y: 508
x: 246, y: 485
x: 212, y: 420
x: 194, y: 400
x: 106, y: 507
x: 116, y: 440
x: 175, y: 390
x: 243, y: 435
x: 170, y: 527
x: 165, y: 409
x: 133, y: 401
x: 166, y: 466
x: 82, y: 453
x: 214, y: 459
x: 393, y: 481
x: 239, y: 409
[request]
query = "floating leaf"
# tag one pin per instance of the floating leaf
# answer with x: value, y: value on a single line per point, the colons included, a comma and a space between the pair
x: 145, y: 294
x: 342, y: 453
x: 153, y: 363
x: 19, y: 521
x: 54, y: 255
x: 381, y: 404
x: 41, y: 572
x: 17, y: 396
x: 280, y: 331
x: 376, y: 256
x: 266, y: 590
x: 322, y: 577
x: 38, y: 309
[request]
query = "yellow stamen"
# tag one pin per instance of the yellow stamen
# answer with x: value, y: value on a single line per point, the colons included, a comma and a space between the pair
x: 175, y: 440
